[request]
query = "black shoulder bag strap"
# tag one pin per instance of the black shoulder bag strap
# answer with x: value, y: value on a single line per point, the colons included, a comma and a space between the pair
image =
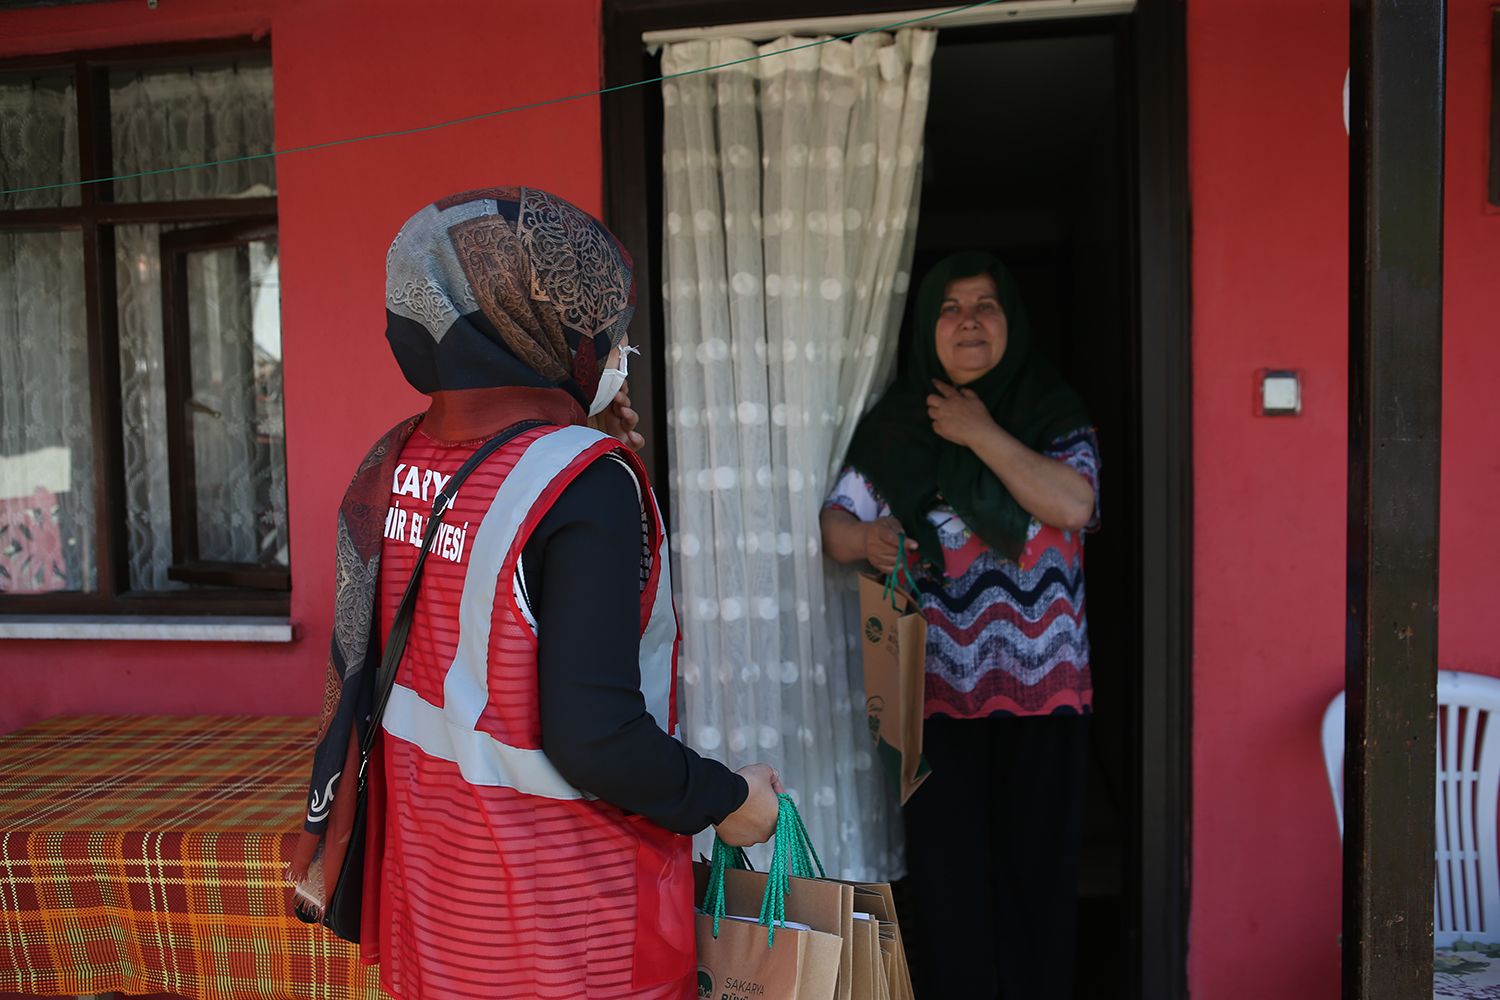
x: 342, y: 914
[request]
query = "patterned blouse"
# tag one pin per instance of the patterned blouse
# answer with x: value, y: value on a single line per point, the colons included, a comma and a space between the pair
x: 1003, y: 638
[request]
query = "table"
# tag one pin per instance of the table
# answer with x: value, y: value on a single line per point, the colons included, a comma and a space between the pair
x: 145, y: 854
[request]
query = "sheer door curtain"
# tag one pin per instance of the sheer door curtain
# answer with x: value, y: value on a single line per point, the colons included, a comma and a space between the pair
x: 791, y: 202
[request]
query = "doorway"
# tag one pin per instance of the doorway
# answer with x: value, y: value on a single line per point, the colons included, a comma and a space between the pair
x: 1024, y: 158
x: 1084, y: 120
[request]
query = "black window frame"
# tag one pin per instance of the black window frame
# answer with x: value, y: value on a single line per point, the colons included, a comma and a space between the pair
x: 1495, y: 106
x: 187, y: 566
x: 95, y: 217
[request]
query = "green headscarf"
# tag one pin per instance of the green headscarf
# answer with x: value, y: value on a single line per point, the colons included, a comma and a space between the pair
x: 896, y: 449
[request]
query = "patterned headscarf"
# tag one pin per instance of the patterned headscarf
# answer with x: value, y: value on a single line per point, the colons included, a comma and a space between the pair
x: 506, y: 287
x: 500, y: 287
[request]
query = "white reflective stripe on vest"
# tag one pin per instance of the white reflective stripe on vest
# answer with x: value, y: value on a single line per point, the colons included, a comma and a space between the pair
x: 481, y: 759
x: 450, y: 732
x: 660, y: 637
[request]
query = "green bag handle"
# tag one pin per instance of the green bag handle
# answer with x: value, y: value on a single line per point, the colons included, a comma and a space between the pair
x: 792, y: 853
x: 901, y: 567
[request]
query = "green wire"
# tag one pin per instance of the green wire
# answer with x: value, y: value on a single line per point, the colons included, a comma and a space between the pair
x: 504, y: 111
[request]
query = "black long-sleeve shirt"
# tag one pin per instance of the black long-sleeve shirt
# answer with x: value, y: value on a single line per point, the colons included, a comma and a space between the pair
x: 582, y: 572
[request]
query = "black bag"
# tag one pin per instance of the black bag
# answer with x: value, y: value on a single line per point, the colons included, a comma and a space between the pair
x: 346, y: 903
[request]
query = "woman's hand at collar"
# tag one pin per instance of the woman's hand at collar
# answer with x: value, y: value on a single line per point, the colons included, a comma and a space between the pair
x: 618, y: 420
x: 960, y: 416
x: 1049, y: 490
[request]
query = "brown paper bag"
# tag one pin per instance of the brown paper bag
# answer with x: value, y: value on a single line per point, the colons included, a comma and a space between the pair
x: 895, y: 657
x: 739, y: 965
x: 876, y: 899
x: 822, y: 904
x: 896, y: 973
x: 869, y: 981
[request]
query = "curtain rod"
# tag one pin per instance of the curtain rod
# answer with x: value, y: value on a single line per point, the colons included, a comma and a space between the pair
x: 1015, y: 10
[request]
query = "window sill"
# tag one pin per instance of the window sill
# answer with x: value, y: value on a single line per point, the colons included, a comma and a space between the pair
x: 171, y: 628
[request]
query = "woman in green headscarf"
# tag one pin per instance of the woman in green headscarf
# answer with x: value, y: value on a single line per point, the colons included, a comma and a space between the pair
x: 979, y: 467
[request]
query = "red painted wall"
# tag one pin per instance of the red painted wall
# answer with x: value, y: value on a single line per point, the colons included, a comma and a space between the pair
x: 1269, y: 195
x: 1269, y: 176
x: 1470, y: 550
x: 1269, y: 182
x: 342, y: 68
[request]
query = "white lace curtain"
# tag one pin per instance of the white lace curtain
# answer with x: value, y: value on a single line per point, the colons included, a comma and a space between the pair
x: 46, y: 447
x: 158, y: 119
x: 176, y: 118
x: 238, y: 437
x: 38, y: 142
x: 791, y: 214
x: 46, y: 430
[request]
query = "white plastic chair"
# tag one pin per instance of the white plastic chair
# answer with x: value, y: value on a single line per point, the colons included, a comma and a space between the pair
x: 1467, y: 891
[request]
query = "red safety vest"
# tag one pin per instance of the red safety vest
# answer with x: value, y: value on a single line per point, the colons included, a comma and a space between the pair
x: 499, y: 879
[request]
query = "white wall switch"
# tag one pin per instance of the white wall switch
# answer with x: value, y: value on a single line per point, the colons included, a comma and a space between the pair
x: 1280, y: 393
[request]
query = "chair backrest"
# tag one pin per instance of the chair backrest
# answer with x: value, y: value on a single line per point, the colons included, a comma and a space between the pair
x: 1333, y: 755
x: 1467, y: 877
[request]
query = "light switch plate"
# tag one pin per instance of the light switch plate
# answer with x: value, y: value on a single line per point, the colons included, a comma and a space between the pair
x: 1280, y: 392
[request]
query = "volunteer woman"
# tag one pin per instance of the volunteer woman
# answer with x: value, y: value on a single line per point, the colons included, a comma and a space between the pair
x: 982, y: 463
x: 528, y: 813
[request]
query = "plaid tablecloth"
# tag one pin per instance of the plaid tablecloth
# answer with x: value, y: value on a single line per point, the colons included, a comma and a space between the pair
x: 145, y: 854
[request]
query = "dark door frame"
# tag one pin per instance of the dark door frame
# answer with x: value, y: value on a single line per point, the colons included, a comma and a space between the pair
x: 1157, y: 863
x: 1398, y: 69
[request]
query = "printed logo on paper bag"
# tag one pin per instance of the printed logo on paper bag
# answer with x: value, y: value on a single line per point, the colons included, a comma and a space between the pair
x: 705, y: 984
x: 873, y: 630
x: 873, y: 707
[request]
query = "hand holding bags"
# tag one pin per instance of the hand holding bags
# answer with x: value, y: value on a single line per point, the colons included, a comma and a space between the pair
x: 894, y: 637
x: 788, y: 935
x: 793, y: 949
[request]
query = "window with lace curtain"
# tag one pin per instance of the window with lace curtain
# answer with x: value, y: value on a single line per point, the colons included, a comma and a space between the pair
x: 142, y: 445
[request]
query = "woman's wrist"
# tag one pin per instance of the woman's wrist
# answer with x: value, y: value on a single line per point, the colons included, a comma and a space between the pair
x: 997, y: 448
x: 866, y: 536
x: 843, y: 535
x: 999, y: 438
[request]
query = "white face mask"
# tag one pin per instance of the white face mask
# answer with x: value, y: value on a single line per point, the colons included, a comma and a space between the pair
x: 610, y: 380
